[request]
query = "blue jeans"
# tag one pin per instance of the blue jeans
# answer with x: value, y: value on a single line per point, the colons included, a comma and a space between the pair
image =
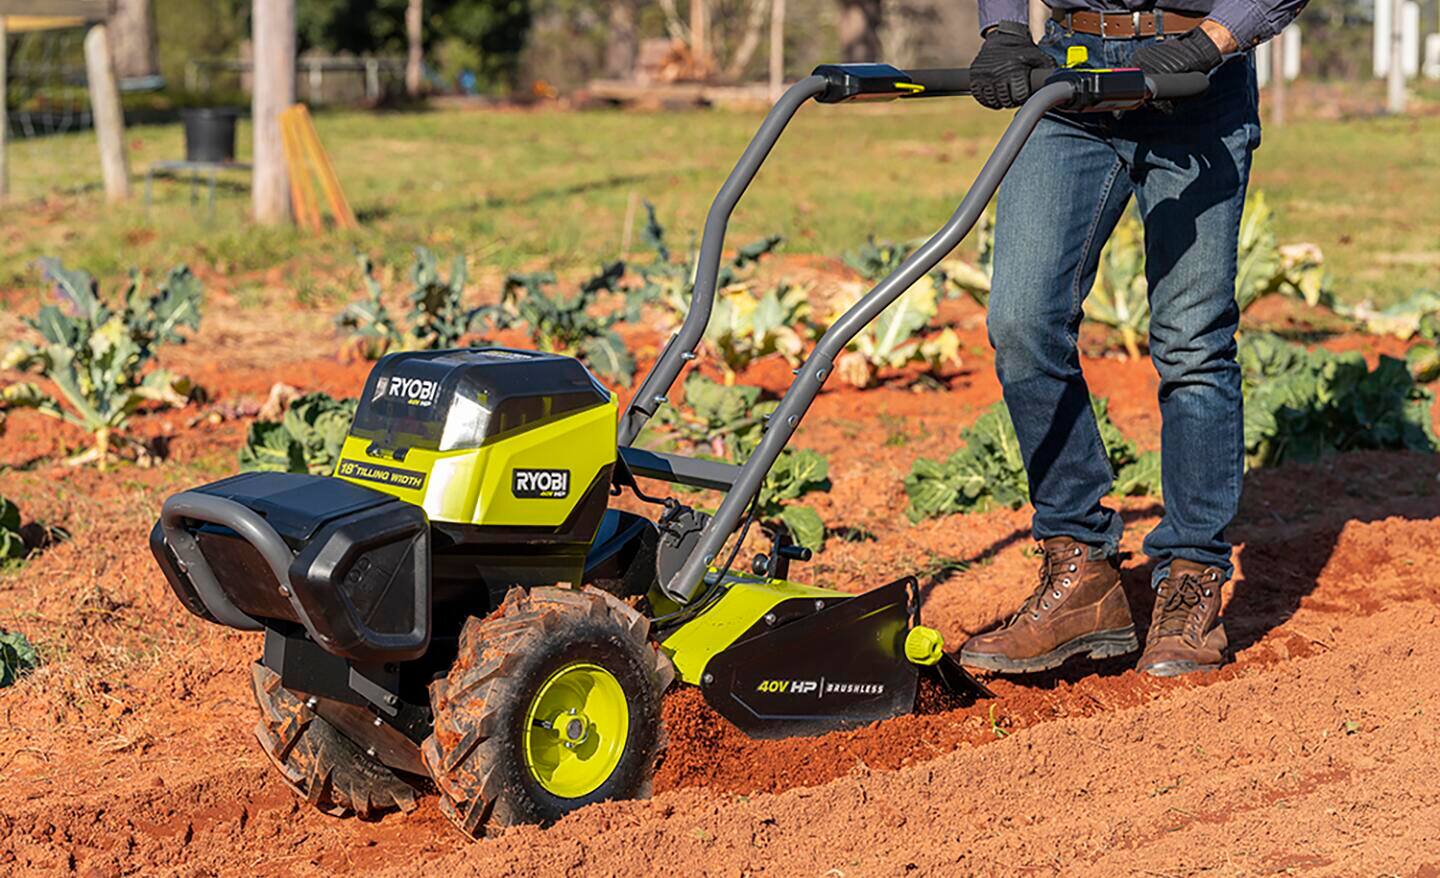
x: 1187, y: 169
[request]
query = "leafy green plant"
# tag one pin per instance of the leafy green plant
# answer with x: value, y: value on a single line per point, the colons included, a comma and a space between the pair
x: 875, y: 260
x: 717, y: 418
x: 1418, y: 315
x: 17, y: 656
x: 1415, y: 317
x: 669, y: 282
x: 97, y: 355
x: 1302, y: 404
x: 1120, y: 297
x: 901, y: 335
x: 1423, y: 361
x: 1264, y: 266
x: 797, y: 472
x: 563, y: 323
x: 726, y: 422
x: 307, y: 439
x: 437, y: 318
x: 973, y: 278
x: 745, y: 327
x: 12, y: 545
x: 1140, y: 476
x: 987, y: 471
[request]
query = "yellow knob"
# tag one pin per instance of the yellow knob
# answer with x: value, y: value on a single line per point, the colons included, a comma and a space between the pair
x: 924, y: 646
x: 1075, y: 56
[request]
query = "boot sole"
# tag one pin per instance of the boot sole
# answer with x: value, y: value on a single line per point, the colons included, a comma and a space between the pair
x: 1096, y: 645
x: 1175, y: 668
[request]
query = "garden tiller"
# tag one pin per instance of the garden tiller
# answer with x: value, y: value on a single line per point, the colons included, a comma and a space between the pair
x: 457, y: 602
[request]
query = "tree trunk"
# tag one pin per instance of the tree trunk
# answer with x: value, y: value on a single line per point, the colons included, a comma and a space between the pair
x: 749, y: 40
x: 4, y: 110
x: 132, y: 39
x: 623, y: 45
x: 777, y: 48
x: 415, y: 34
x: 860, y: 30
x: 108, y: 114
x: 699, y: 32
x: 273, y: 36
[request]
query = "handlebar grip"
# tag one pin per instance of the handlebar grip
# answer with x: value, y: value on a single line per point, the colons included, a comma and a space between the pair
x: 1094, y: 90
x: 941, y: 81
x: 1171, y: 86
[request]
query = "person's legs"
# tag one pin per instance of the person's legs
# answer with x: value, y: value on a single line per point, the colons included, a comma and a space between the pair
x: 1191, y: 168
x: 1054, y: 212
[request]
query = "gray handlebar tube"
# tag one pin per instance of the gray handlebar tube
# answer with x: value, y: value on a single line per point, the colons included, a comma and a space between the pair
x: 682, y: 344
x: 690, y: 578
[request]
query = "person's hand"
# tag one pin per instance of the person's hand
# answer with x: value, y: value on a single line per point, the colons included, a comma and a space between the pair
x: 1000, y: 73
x: 1195, y: 51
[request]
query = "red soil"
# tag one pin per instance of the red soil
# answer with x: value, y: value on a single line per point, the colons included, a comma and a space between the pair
x: 129, y: 751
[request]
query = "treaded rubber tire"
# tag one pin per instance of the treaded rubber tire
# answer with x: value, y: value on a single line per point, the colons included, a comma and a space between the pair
x: 475, y: 754
x: 317, y: 761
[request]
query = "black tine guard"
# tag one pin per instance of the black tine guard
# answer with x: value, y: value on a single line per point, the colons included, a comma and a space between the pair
x: 838, y: 667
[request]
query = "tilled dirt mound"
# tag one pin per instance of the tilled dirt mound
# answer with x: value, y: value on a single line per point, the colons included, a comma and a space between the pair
x: 131, y: 750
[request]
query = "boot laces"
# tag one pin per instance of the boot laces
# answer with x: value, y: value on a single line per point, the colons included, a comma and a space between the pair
x: 1059, y: 570
x: 1179, y: 599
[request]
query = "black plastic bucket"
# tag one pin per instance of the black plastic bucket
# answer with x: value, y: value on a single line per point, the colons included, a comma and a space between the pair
x: 210, y: 134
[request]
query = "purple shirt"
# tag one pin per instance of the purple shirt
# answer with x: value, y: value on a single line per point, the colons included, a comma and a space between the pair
x: 1251, y: 22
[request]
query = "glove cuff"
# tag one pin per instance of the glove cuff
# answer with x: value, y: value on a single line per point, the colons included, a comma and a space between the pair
x: 1011, y: 29
x: 1204, y: 48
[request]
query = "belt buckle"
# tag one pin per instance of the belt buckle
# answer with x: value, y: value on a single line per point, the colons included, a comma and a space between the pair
x: 1135, y: 24
x: 1104, y: 17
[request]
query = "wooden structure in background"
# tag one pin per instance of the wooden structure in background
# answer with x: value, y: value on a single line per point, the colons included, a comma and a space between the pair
x: 415, y: 40
x: 777, y: 49
x: 304, y: 155
x: 272, y: 25
x: 22, y: 16
x: 108, y: 114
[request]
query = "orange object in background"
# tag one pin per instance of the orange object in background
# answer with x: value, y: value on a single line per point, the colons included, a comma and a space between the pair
x: 306, y: 160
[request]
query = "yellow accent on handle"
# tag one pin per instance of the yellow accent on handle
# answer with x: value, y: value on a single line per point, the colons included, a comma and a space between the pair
x: 1076, y: 56
x: 912, y: 87
x: 924, y: 646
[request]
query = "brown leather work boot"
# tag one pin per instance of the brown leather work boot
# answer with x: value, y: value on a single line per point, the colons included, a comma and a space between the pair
x: 1185, y: 630
x: 1078, y: 607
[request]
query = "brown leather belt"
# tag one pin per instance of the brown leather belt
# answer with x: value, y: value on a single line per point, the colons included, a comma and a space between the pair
x: 1127, y: 25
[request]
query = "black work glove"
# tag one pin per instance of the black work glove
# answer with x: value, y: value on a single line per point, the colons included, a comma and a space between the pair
x: 1000, y: 73
x: 1192, y: 52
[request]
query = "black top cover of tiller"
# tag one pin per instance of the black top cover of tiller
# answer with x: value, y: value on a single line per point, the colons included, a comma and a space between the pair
x: 836, y: 668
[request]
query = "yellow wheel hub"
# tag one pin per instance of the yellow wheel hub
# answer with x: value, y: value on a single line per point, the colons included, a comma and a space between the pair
x: 576, y: 730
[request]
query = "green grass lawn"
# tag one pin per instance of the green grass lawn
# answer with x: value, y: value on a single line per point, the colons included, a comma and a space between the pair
x: 526, y: 189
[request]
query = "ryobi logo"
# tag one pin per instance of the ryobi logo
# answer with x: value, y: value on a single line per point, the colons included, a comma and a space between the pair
x: 540, y: 484
x: 415, y: 391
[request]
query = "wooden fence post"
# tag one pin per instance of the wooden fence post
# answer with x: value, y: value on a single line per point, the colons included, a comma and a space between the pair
x: 777, y: 49
x: 109, y: 115
x: 415, y: 40
x: 4, y: 111
x: 273, y: 38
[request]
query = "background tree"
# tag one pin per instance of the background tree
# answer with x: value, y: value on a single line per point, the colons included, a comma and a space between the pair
x: 859, y: 28
x: 485, y: 37
x: 622, y: 43
x: 132, y: 39
x: 415, y: 38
